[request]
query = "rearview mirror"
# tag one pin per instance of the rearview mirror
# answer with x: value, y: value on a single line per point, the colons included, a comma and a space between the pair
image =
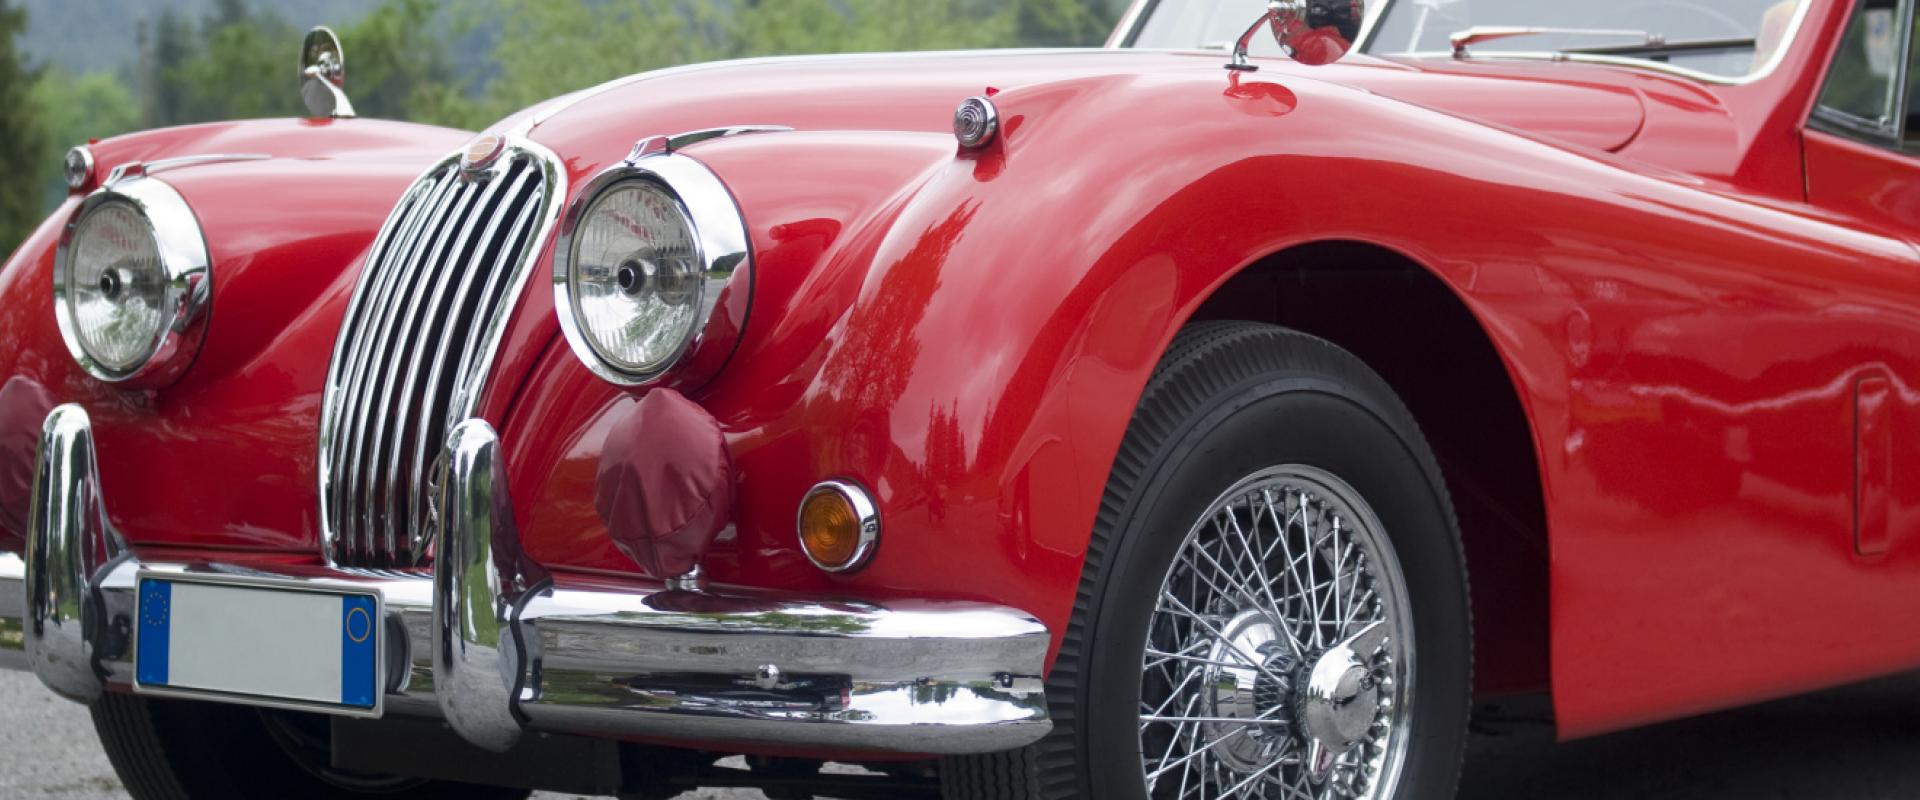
x: 1313, y: 32
x: 323, y: 75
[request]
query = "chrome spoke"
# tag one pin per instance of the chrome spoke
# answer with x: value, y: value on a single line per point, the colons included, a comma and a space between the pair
x: 1277, y: 641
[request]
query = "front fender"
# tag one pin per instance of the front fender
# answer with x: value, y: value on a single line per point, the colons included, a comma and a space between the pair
x: 969, y: 343
x: 284, y: 233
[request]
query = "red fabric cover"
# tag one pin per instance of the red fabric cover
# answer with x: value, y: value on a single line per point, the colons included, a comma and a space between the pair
x: 665, y: 483
x: 24, y: 406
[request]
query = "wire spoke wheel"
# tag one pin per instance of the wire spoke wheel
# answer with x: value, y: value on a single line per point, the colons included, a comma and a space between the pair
x: 1279, y: 653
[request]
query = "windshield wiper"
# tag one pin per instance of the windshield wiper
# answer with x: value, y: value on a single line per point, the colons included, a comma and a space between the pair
x: 1665, y: 47
x: 1462, y: 40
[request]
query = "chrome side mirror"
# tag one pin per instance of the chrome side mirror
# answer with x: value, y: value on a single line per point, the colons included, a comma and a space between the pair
x: 1313, y: 32
x: 323, y: 75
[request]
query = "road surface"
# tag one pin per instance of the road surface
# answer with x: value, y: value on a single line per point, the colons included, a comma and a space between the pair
x: 1859, y: 743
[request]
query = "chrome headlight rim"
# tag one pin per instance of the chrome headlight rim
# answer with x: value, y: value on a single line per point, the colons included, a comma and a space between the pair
x: 187, y: 291
x: 718, y: 226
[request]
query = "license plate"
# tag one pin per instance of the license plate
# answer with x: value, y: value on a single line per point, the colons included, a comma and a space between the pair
x: 259, y: 642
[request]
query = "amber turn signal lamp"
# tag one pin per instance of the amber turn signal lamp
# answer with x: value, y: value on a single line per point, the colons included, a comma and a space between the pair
x: 839, y: 526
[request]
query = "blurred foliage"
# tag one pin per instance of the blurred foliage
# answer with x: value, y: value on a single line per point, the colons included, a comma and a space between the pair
x: 23, y: 136
x: 236, y: 58
x: 76, y: 108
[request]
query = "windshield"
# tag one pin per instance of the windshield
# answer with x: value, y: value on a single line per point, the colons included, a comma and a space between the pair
x: 1720, y: 38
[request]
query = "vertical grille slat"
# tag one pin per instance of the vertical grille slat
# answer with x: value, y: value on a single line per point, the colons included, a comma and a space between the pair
x: 439, y: 321
x: 440, y: 281
x: 489, y: 261
x: 364, y: 342
x: 399, y: 339
x: 369, y: 410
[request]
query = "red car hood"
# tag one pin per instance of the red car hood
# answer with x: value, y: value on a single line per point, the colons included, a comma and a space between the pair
x: 1580, y: 105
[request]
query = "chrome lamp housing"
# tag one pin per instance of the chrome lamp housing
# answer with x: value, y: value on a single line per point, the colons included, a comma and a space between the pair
x: 641, y: 259
x: 132, y: 284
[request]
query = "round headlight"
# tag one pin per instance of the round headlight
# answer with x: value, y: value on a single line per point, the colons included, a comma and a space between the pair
x: 118, y: 287
x: 130, y: 284
x: 637, y: 278
x: 641, y: 260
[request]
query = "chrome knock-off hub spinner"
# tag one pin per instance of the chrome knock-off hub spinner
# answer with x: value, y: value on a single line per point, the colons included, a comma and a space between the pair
x: 1260, y: 692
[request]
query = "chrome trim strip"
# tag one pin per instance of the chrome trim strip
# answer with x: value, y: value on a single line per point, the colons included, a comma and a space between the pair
x: 189, y: 281
x: 681, y: 141
x: 1128, y: 25
x: 718, y: 223
x: 575, y: 654
x: 139, y: 169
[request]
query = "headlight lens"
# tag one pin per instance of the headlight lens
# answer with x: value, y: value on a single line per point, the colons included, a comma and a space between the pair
x: 132, y: 285
x: 118, y: 288
x: 651, y: 270
x: 638, y: 278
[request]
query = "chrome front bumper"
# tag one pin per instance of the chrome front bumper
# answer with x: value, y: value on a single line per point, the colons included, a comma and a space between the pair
x: 494, y: 646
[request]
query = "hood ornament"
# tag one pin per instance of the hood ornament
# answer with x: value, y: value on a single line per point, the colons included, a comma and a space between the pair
x: 1313, y: 32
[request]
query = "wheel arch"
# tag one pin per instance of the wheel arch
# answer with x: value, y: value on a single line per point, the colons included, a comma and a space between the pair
x: 1470, y: 410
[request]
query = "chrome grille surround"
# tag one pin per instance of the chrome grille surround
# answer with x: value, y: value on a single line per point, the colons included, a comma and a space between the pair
x: 418, y: 343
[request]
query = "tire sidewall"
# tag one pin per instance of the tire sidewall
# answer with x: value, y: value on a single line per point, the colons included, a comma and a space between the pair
x: 1295, y: 417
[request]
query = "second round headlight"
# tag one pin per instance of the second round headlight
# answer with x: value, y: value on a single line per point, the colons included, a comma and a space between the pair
x: 638, y: 278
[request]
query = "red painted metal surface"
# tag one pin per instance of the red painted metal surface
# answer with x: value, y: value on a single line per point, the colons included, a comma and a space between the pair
x: 966, y: 334
x: 224, y: 458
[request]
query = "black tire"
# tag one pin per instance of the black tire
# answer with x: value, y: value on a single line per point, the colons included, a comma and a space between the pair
x: 176, y: 750
x: 1227, y: 400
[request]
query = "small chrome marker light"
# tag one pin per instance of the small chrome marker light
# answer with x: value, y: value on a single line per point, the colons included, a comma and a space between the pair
x: 132, y: 284
x: 976, y: 122
x: 839, y: 526
x: 79, y: 167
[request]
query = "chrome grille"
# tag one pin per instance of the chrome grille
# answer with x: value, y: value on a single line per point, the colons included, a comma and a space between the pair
x: 417, y: 344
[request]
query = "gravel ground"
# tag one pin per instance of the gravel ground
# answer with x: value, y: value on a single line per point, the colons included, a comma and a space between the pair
x: 1860, y: 743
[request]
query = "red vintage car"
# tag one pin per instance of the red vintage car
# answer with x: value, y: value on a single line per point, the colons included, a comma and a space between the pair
x: 1131, y: 431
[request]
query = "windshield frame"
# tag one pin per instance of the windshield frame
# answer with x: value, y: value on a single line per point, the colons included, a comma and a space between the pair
x: 1787, y: 43
x: 1135, y: 19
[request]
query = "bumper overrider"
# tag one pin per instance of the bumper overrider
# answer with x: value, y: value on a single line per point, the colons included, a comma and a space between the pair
x: 473, y: 645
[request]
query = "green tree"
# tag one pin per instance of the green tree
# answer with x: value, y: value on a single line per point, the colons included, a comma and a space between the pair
x: 550, y: 47
x: 781, y: 27
x: 165, y: 46
x: 22, y: 135
x: 1063, y: 23
x: 77, y: 108
x: 243, y: 69
x: 398, y: 66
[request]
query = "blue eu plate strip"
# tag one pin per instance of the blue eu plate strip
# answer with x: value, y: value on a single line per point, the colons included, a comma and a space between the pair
x: 156, y: 605
x: 357, y: 654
